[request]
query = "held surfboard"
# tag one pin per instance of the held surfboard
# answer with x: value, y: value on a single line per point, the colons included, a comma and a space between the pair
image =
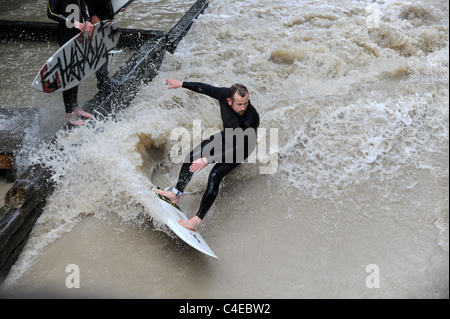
x: 77, y: 59
x: 119, y: 4
x: 173, y: 214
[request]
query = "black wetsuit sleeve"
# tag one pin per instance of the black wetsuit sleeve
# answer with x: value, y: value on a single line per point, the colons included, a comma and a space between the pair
x: 212, y: 91
x: 55, y: 12
x: 91, y: 8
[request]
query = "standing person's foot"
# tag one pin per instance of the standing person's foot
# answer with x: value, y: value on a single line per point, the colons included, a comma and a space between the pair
x: 73, y: 119
x: 191, y: 224
x: 79, y: 112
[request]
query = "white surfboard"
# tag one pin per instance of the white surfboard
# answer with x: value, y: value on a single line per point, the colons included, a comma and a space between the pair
x: 172, y: 215
x: 77, y: 59
x: 119, y: 4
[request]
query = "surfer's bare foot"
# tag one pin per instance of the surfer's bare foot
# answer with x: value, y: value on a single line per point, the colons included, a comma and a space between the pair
x: 170, y: 195
x: 191, y: 224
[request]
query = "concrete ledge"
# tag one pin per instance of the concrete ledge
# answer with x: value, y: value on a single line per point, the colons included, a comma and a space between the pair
x: 183, y: 26
x: 46, y: 31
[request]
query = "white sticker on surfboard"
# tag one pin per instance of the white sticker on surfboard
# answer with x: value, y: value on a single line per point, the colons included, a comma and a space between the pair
x: 77, y: 59
x: 119, y: 4
x: 172, y: 215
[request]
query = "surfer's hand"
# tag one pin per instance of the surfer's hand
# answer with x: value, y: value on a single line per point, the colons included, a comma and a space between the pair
x: 198, y: 165
x: 174, y: 84
x: 90, y: 27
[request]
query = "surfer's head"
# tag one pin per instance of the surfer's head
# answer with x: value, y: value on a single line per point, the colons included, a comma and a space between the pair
x: 239, y: 98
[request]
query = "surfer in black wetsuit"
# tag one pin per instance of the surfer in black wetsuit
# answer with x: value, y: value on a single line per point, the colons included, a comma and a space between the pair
x: 238, y: 115
x: 59, y: 11
x: 102, y: 10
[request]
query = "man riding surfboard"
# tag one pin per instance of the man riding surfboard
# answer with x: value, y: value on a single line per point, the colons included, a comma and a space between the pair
x: 237, y: 113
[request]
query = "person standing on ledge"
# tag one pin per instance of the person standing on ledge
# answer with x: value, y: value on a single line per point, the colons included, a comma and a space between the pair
x: 237, y: 113
x: 60, y: 10
x: 102, y: 10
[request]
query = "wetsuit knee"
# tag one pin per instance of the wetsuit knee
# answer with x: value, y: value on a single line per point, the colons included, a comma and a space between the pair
x: 215, y: 177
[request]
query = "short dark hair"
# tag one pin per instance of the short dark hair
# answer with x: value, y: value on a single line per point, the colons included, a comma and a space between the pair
x: 239, y: 89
